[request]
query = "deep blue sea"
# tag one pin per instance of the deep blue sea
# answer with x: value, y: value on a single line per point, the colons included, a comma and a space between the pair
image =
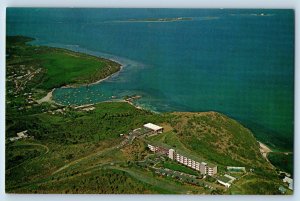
x: 238, y: 62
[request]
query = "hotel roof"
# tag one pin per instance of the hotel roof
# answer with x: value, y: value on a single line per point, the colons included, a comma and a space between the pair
x: 152, y: 126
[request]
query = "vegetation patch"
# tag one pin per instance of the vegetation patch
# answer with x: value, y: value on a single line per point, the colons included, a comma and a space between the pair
x: 59, y: 67
x: 71, y: 150
x: 283, y: 161
x: 219, y: 139
x: 177, y: 167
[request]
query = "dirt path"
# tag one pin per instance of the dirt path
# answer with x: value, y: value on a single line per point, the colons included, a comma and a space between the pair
x: 33, y: 144
x: 75, y: 162
x: 72, y: 163
x: 29, y: 144
x: 163, y: 184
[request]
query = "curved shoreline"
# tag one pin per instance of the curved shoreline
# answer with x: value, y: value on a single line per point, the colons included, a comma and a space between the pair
x: 123, y: 62
x: 93, y: 83
x: 49, y: 96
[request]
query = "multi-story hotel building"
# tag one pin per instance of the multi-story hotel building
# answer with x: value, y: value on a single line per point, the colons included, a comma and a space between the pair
x: 204, y: 168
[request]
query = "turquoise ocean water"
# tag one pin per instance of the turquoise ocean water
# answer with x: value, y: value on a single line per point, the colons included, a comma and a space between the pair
x: 238, y: 62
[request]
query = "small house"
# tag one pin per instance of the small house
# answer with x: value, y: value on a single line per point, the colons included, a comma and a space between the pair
x: 289, y: 181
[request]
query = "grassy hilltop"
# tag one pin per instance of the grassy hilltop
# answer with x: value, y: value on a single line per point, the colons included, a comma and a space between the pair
x: 76, y: 151
x: 218, y: 138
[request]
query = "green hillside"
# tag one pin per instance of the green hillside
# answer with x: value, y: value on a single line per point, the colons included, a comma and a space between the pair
x: 93, y: 145
x: 72, y: 150
x: 215, y: 138
x: 58, y: 66
x: 218, y: 138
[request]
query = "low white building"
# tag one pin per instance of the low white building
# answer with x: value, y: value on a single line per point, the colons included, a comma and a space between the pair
x: 230, y: 177
x: 22, y: 134
x: 236, y: 169
x: 158, y: 149
x: 290, y: 181
x: 14, y: 138
x: 226, y: 180
x: 152, y: 148
x: 226, y: 184
x: 154, y: 128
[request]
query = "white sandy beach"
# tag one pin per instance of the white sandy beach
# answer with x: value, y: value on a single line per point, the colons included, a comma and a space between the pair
x: 47, y: 98
x: 264, y: 149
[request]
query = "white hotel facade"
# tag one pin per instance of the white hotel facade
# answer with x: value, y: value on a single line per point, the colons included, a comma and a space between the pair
x: 204, y: 168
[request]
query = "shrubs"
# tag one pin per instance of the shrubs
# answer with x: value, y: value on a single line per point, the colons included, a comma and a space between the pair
x: 219, y: 139
x: 102, y: 182
x: 106, y: 122
x: 282, y: 161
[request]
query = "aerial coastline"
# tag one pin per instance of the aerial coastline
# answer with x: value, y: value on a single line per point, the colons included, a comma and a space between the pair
x: 113, y: 119
x: 107, y: 67
x: 149, y: 101
x: 49, y: 96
